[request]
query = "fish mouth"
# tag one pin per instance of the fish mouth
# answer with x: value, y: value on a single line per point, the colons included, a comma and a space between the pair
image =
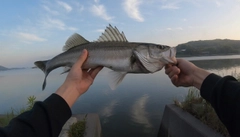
x: 169, y: 56
x: 170, y: 60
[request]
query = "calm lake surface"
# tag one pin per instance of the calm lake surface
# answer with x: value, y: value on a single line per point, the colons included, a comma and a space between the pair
x: 135, y: 108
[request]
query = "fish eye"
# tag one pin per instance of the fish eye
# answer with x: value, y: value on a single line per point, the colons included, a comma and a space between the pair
x: 160, y: 46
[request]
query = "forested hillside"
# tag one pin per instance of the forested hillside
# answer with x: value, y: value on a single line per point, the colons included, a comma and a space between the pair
x: 209, y: 48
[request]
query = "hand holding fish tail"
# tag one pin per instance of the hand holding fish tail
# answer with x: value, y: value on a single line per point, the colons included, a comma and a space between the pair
x: 78, y: 80
x: 186, y: 74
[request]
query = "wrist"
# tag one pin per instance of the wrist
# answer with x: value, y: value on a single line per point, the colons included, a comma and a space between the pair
x: 68, y: 93
x: 198, y: 77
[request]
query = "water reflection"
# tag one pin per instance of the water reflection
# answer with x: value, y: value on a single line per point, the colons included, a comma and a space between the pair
x: 139, y: 113
x: 218, y: 64
x: 108, y: 110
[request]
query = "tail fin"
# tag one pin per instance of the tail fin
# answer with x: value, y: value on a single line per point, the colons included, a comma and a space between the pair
x: 42, y: 66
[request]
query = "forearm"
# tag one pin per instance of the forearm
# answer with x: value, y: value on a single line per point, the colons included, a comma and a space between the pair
x: 45, y: 119
x: 68, y: 93
x: 224, y: 96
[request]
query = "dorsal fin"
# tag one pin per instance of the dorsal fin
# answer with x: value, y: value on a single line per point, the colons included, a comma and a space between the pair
x: 73, y: 41
x: 112, y: 34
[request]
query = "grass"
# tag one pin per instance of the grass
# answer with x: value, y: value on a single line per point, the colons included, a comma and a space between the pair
x: 4, y: 121
x: 201, y: 109
x: 77, y: 129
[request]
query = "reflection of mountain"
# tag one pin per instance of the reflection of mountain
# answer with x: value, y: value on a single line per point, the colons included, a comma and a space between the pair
x: 217, y: 64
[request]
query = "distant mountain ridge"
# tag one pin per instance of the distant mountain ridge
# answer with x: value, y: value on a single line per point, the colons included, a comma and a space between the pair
x: 209, y: 47
x: 3, y: 68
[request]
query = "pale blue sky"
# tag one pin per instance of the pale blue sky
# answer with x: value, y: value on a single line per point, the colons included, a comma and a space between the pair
x: 37, y: 30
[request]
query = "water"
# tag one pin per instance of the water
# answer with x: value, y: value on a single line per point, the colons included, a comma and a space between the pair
x: 135, y: 108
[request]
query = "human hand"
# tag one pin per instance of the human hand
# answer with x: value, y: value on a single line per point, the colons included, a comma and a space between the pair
x: 78, y: 80
x: 186, y: 74
x: 181, y: 75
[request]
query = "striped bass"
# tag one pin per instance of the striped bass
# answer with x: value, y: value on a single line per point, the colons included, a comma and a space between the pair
x: 111, y: 50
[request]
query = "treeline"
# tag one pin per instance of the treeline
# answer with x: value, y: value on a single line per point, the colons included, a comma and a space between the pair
x: 2, y: 68
x: 209, y: 48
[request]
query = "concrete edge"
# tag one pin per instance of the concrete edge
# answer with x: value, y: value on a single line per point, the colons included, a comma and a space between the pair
x: 93, y: 126
x: 178, y: 123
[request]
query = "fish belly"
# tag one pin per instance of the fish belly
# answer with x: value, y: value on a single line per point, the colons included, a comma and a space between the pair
x: 112, y: 58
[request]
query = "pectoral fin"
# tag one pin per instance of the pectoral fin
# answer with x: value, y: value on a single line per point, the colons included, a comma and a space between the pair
x: 66, y: 69
x: 115, y: 78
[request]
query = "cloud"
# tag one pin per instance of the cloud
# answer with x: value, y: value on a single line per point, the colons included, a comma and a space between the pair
x: 99, y: 10
x: 218, y: 3
x: 53, y: 12
x: 72, y: 28
x: 79, y: 7
x: 107, y: 111
x: 170, y: 6
x: 132, y: 9
x: 100, y: 30
x: 29, y: 37
x: 139, y: 113
x: 67, y: 7
x: 53, y: 23
x: 173, y: 29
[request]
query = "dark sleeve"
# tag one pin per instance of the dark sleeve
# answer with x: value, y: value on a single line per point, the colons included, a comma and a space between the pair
x: 224, y: 95
x: 44, y: 120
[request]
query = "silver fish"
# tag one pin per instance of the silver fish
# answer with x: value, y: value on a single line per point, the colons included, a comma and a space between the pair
x: 111, y: 50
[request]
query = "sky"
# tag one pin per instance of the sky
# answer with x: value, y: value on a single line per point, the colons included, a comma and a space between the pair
x: 37, y: 30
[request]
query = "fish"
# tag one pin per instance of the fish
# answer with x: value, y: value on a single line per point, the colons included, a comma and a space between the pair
x: 111, y: 50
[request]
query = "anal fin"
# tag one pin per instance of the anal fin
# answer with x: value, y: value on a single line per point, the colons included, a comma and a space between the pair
x: 115, y: 78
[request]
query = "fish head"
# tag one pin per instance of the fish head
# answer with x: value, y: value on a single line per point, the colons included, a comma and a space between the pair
x: 154, y: 56
x: 162, y: 53
x: 155, y: 50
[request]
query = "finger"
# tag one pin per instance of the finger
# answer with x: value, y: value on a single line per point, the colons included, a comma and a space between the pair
x: 95, y: 71
x: 168, y: 66
x: 174, y: 80
x: 82, y: 58
x: 169, y: 69
x: 175, y: 71
x: 179, y: 62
